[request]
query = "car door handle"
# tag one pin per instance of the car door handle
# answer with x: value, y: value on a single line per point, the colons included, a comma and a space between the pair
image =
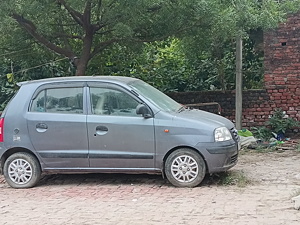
x: 41, y: 127
x: 101, y: 130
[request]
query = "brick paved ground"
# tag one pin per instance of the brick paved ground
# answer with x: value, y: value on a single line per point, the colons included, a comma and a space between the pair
x: 148, y: 199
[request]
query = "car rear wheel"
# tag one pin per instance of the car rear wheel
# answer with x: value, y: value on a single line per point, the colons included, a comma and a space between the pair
x: 185, y: 168
x: 22, y: 170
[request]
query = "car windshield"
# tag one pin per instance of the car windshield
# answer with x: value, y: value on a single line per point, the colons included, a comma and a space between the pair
x: 162, y: 101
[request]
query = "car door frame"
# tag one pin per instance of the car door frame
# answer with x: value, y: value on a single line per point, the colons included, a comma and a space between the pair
x: 119, y: 155
x: 71, y: 159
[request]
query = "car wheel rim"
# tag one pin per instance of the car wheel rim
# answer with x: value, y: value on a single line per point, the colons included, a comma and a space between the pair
x: 184, y: 168
x: 20, y: 171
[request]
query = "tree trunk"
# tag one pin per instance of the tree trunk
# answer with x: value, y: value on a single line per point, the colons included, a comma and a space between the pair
x: 82, y: 63
x: 239, y: 83
x: 81, y: 68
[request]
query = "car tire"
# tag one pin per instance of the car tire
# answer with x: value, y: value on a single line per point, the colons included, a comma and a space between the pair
x: 22, y: 170
x: 185, y: 168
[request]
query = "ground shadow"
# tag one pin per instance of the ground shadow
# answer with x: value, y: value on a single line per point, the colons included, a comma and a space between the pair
x: 123, y: 179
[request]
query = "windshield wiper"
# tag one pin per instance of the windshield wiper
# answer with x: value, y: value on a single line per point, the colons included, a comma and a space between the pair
x: 182, y: 108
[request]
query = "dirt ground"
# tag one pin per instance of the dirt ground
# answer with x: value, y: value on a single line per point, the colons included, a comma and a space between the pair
x: 279, y: 167
x: 148, y: 199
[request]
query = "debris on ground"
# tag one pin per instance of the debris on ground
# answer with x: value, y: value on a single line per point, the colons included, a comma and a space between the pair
x: 288, y: 145
x: 246, y: 138
x: 296, y: 200
x: 250, y: 142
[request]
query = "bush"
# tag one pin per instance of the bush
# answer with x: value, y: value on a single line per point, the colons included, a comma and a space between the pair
x: 262, y: 133
x: 280, y: 122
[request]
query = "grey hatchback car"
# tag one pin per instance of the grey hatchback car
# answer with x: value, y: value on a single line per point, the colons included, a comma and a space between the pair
x: 109, y: 124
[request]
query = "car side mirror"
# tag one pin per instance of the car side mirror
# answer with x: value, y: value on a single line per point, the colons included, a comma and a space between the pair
x: 143, y: 110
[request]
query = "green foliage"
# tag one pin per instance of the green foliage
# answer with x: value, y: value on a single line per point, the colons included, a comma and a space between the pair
x: 263, y: 133
x: 169, y: 66
x: 162, y: 64
x: 6, y: 92
x: 165, y: 66
x: 280, y: 123
x: 174, y: 45
x: 26, y: 64
x: 83, y: 29
x: 221, y: 72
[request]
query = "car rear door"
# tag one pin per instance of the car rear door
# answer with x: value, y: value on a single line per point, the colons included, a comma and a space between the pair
x: 57, y: 126
x: 119, y: 139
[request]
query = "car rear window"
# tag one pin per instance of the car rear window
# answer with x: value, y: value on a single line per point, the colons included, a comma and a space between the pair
x: 59, y: 100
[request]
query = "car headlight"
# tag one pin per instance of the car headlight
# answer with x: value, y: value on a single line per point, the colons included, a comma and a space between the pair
x: 222, y: 134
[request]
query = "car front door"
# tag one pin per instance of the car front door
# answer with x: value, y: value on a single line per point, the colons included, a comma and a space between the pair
x: 57, y: 126
x: 119, y: 139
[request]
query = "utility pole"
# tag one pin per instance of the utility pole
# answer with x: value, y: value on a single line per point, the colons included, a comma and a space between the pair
x: 239, y: 83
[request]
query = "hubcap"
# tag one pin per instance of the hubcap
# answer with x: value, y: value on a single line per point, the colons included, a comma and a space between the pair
x: 184, y: 168
x: 20, y: 171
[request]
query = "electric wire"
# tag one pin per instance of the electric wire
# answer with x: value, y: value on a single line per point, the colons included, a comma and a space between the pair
x: 10, y: 53
x: 34, y: 67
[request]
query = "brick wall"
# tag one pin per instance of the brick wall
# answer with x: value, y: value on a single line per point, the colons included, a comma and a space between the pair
x: 282, y: 66
x: 255, y: 104
x: 282, y: 83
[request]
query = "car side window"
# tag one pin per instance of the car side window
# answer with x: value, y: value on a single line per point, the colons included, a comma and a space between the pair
x: 113, y: 102
x: 59, y: 100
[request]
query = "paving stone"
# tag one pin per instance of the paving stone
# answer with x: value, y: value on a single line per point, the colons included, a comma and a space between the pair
x: 148, y: 199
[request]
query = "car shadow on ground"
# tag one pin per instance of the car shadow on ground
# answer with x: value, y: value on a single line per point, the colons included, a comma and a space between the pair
x: 116, y: 179
x: 101, y: 179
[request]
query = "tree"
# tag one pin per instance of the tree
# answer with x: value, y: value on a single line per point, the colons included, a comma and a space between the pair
x: 80, y: 30
x: 86, y: 32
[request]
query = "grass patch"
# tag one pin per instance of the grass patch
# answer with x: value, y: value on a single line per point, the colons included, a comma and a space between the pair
x: 230, y: 178
x: 262, y: 149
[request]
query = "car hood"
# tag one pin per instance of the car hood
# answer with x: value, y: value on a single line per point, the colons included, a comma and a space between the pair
x: 203, y: 118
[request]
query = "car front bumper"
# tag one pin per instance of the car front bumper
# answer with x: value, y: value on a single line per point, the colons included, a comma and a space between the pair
x: 219, y: 156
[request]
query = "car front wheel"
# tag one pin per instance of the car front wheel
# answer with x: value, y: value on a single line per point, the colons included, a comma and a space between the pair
x: 21, y: 170
x: 185, y: 168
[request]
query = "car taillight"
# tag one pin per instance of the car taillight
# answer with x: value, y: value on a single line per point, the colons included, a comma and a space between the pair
x: 1, y: 129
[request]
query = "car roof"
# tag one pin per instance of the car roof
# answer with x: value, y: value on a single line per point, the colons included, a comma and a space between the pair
x: 118, y: 79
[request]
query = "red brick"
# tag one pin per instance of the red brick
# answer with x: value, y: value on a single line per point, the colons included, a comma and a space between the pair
x: 291, y: 112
